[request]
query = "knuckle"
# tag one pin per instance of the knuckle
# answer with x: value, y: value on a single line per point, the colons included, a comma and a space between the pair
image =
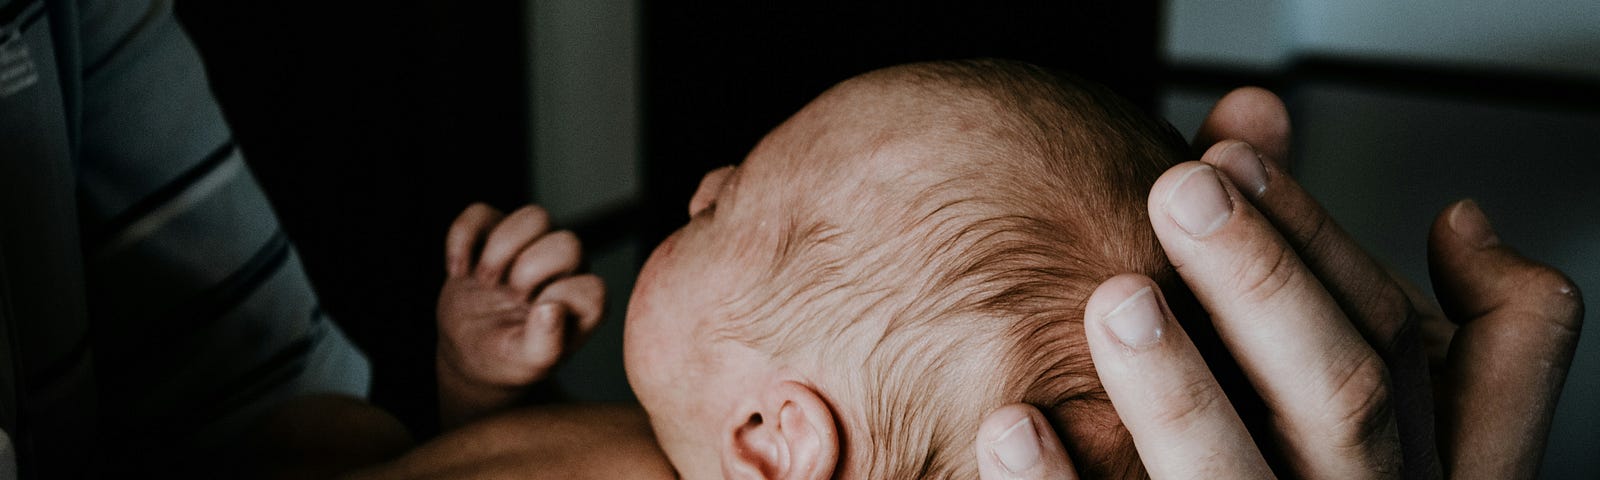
x: 567, y: 241
x: 533, y: 212
x: 1266, y: 277
x: 1555, y: 297
x: 1181, y: 409
x: 591, y: 284
x: 526, y: 272
x: 475, y: 216
x: 479, y: 207
x: 1386, y: 315
x: 552, y: 254
x: 578, y: 287
x: 471, y: 216
x: 475, y: 211
x: 1312, y: 232
x: 1359, y: 415
x: 591, y: 299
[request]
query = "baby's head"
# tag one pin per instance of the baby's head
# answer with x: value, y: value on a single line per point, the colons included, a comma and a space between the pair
x: 908, y: 252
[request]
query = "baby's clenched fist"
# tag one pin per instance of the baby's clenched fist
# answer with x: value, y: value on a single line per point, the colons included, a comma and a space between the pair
x: 511, y: 308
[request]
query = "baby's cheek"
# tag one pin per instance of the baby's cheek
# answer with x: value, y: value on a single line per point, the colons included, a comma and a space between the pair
x: 650, y: 273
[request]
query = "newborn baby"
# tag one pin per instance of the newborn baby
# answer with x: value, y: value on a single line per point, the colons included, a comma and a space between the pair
x: 908, y: 252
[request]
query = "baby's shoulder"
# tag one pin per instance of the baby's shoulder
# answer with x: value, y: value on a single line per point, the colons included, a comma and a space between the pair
x: 611, y: 441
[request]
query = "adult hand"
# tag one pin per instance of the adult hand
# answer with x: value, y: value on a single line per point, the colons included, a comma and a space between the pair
x: 1320, y: 329
x: 511, y: 308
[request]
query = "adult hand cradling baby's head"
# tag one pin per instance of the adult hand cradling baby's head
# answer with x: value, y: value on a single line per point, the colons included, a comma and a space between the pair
x: 1338, y: 349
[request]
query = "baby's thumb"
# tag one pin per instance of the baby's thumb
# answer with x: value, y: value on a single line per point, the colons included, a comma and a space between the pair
x: 1015, y: 443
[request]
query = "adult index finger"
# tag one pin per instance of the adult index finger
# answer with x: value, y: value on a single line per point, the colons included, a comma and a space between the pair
x: 1379, y: 306
x: 1179, y: 417
x: 1251, y: 114
x: 1327, y: 389
x: 1373, y: 300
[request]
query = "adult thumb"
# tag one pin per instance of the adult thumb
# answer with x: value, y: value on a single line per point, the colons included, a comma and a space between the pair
x: 1519, y: 324
x: 1015, y: 442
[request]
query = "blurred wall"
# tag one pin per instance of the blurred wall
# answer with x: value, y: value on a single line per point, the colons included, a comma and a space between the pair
x: 583, y: 80
x: 370, y: 125
x: 1550, y: 36
x: 1402, y: 107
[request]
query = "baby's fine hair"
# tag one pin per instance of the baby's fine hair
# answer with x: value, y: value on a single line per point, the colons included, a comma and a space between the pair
x: 966, y: 289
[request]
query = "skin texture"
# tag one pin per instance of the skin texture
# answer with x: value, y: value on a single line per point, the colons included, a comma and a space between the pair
x: 1339, y: 349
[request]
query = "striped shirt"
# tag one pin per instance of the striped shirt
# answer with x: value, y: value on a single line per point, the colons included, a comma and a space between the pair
x: 150, y: 305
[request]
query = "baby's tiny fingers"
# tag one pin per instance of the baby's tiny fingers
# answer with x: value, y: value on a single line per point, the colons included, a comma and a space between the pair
x: 551, y: 255
x: 584, y: 297
x: 466, y: 231
x: 517, y: 231
x: 543, y: 339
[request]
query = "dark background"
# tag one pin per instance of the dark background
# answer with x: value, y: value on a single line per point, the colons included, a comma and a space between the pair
x: 371, y: 125
x: 370, y: 128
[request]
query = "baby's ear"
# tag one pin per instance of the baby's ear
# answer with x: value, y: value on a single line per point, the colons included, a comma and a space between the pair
x: 788, y: 434
x: 710, y: 187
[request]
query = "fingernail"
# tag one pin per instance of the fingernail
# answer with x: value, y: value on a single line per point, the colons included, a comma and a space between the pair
x: 1018, y: 446
x: 1199, y: 204
x: 1136, y: 321
x: 1472, y: 226
x: 1245, y: 167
